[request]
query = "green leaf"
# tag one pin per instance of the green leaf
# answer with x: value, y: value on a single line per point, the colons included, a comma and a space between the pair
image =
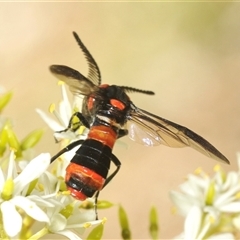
x: 153, y: 228
x: 123, y: 219
x: 4, y: 100
x: 96, y: 233
x: 31, y: 139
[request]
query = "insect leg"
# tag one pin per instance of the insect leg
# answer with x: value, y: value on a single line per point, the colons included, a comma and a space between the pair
x: 117, y: 163
x: 67, y: 148
x: 95, y: 204
x: 122, y: 133
x: 74, y: 126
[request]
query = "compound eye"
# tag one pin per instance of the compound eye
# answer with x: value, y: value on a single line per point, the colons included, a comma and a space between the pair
x: 117, y: 104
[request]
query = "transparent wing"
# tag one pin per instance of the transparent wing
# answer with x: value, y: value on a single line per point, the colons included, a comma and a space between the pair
x: 78, y: 84
x: 150, y: 130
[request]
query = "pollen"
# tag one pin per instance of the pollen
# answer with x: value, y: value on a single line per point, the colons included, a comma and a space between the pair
x: 60, y: 83
x: 237, y: 195
x: 87, y: 225
x: 14, y: 150
x: 52, y: 108
x: 104, y: 220
x: 217, y: 168
x: 41, y: 187
x: 66, y: 192
x: 211, y: 219
x: 81, y: 129
x: 174, y: 210
x: 198, y: 171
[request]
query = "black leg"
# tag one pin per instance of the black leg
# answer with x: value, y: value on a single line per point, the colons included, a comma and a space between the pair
x: 67, y: 148
x: 122, y: 133
x: 95, y: 204
x: 74, y: 126
x: 117, y: 163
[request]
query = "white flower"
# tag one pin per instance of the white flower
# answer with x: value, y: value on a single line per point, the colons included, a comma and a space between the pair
x: 13, y: 188
x: 63, y: 115
x: 211, y: 205
x: 69, y: 215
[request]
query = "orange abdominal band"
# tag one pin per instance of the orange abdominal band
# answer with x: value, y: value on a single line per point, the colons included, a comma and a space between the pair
x: 86, y: 177
x: 103, y: 134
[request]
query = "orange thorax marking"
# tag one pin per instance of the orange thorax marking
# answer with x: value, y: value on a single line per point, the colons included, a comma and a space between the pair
x: 103, y: 134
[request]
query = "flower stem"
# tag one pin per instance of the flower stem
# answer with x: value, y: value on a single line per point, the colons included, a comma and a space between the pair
x: 39, y: 234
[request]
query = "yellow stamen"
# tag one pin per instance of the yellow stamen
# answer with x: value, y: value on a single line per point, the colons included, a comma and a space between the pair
x: 41, y: 187
x: 65, y: 192
x: 60, y: 83
x: 211, y: 219
x: 52, y: 108
x: 198, y: 171
x: 87, y: 225
x: 104, y: 220
x: 237, y: 195
x: 217, y: 168
x: 174, y: 210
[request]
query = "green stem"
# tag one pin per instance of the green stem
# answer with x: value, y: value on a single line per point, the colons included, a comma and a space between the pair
x: 39, y: 234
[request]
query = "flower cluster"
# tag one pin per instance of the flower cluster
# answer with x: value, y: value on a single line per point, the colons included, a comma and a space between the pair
x: 32, y: 195
x: 211, y: 205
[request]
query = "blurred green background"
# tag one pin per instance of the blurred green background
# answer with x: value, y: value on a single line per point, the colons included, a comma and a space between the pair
x: 188, y: 53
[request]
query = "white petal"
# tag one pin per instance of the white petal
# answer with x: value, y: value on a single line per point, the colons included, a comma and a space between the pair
x: 233, y: 207
x: 49, y: 182
x: 236, y: 222
x: 12, y: 220
x: 182, y: 202
x: 65, y: 135
x: 54, y: 125
x: 227, y: 196
x: 64, y: 114
x: 65, y: 107
x: 30, y: 208
x: 40, y: 201
x: 192, y: 223
x: 232, y: 180
x: 204, y: 230
x: 80, y: 217
x: 58, y: 223
x: 69, y: 235
x: 78, y: 102
x: 223, y: 236
x: 10, y: 173
x: 180, y: 236
x: 32, y: 171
